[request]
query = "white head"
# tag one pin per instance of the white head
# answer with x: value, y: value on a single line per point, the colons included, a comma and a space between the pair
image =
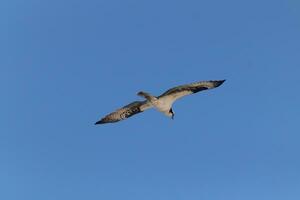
x: 171, y: 113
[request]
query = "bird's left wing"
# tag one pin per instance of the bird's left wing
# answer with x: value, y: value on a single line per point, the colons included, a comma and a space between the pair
x: 125, y: 112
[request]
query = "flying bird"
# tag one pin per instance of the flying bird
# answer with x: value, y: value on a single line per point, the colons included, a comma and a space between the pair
x: 162, y: 103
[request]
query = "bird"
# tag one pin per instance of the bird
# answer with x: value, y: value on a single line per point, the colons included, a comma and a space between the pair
x: 162, y: 103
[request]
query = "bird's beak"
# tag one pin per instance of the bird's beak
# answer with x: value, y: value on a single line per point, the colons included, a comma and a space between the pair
x: 172, y: 117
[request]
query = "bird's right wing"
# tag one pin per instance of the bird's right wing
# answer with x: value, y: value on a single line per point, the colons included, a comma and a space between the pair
x: 125, y: 112
x: 175, y: 93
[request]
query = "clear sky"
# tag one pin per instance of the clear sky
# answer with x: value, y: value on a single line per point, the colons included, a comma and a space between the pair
x: 67, y: 63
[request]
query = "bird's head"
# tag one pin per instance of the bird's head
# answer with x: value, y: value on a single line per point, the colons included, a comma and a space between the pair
x: 171, y: 113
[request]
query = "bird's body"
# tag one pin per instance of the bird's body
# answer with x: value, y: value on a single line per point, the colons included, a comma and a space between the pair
x: 162, y: 103
x: 159, y: 103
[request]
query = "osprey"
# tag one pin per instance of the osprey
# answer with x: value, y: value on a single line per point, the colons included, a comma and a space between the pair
x: 162, y: 103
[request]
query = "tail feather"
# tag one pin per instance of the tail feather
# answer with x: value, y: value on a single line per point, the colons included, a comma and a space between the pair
x: 147, y: 96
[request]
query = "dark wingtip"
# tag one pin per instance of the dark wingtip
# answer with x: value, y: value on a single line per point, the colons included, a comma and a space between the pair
x: 218, y: 83
x: 99, y: 122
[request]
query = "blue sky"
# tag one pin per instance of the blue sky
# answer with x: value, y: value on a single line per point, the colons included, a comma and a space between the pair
x: 65, y: 64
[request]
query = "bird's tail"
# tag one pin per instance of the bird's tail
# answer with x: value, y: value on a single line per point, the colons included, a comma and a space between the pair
x: 147, y: 96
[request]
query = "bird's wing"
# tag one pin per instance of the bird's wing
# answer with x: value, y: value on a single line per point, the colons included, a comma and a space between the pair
x: 175, y: 93
x: 125, y: 112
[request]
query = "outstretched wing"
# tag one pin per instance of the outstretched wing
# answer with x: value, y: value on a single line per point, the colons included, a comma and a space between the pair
x: 125, y: 112
x: 175, y: 93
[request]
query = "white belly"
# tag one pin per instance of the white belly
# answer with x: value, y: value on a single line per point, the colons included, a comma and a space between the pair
x: 162, y: 106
